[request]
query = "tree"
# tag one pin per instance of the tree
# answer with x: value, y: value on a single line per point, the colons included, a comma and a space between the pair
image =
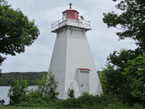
x: 120, y: 59
x: 131, y: 21
x: 1, y: 60
x: 17, y: 92
x: 129, y: 64
x: 135, y: 73
x: 124, y: 75
x: 16, y: 31
x: 47, y: 86
x: 113, y: 82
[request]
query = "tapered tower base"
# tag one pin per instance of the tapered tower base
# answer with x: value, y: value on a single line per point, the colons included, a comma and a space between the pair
x: 72, y: 63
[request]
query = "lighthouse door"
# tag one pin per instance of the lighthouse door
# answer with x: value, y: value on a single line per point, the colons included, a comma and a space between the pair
x: 84, y: 81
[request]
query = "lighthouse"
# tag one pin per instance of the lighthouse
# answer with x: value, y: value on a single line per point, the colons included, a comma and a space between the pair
x: 72, y: 63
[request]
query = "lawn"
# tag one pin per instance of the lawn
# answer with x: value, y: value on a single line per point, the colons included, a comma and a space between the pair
x: 12, y: 107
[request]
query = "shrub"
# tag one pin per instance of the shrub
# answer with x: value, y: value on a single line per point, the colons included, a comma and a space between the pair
x: 88, y: 101
x: 71, y: 93
x: 47, y: 87
x: 45, y: 95
x: 17, y: 92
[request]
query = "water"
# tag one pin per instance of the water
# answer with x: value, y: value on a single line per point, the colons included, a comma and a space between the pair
x: 4, y: 92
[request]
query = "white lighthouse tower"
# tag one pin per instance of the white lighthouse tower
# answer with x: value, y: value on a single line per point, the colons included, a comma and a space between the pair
x: 72, y: 63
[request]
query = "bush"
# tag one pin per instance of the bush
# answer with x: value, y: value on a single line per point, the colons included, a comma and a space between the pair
x: 71, y: 93
x: 45, y: 95
x: 18, y: 91
x: 90, y: 101
x: 138, y: 106
x: 47, y: 86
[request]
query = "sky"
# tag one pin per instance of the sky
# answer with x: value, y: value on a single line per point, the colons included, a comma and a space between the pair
x: 36, y: 58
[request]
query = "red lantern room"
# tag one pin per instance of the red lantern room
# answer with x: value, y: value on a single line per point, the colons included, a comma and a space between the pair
x: 71, y: 14
x: 69, y: 18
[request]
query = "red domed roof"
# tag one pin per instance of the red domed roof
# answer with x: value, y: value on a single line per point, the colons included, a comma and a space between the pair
x: 71, y: 13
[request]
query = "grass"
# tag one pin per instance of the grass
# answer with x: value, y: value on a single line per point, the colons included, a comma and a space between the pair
x: 12, y: 107
x: 98, y: 106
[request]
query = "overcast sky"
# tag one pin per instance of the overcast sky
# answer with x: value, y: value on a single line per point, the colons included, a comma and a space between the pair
x: 102, y: 40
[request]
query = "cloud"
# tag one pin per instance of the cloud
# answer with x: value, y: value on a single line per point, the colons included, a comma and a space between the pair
x: 36, y: 57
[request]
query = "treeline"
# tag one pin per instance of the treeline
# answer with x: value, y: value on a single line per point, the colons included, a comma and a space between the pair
x: 32, y: 77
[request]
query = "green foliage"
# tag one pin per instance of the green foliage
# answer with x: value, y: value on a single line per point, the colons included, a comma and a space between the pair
x: 48, y: 86
x: 90, y: 101
x: 114, y: 82
x: 71, y: 93
x: 17, y: 92
x: 137, y: 106
x: 127, y: 64
x: 0, y: 73
x: 1, y: 60
x: 120, y: 59
x: 33, y: 98
x: 107, y: 81
x: 85, y: 101
x: 135, y: 73
x: 42, y: 82
x: 45, y: 95
x: 16, y: 30
x: 130, y: 21
x: 3, y: 2
x: 125, y: 76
